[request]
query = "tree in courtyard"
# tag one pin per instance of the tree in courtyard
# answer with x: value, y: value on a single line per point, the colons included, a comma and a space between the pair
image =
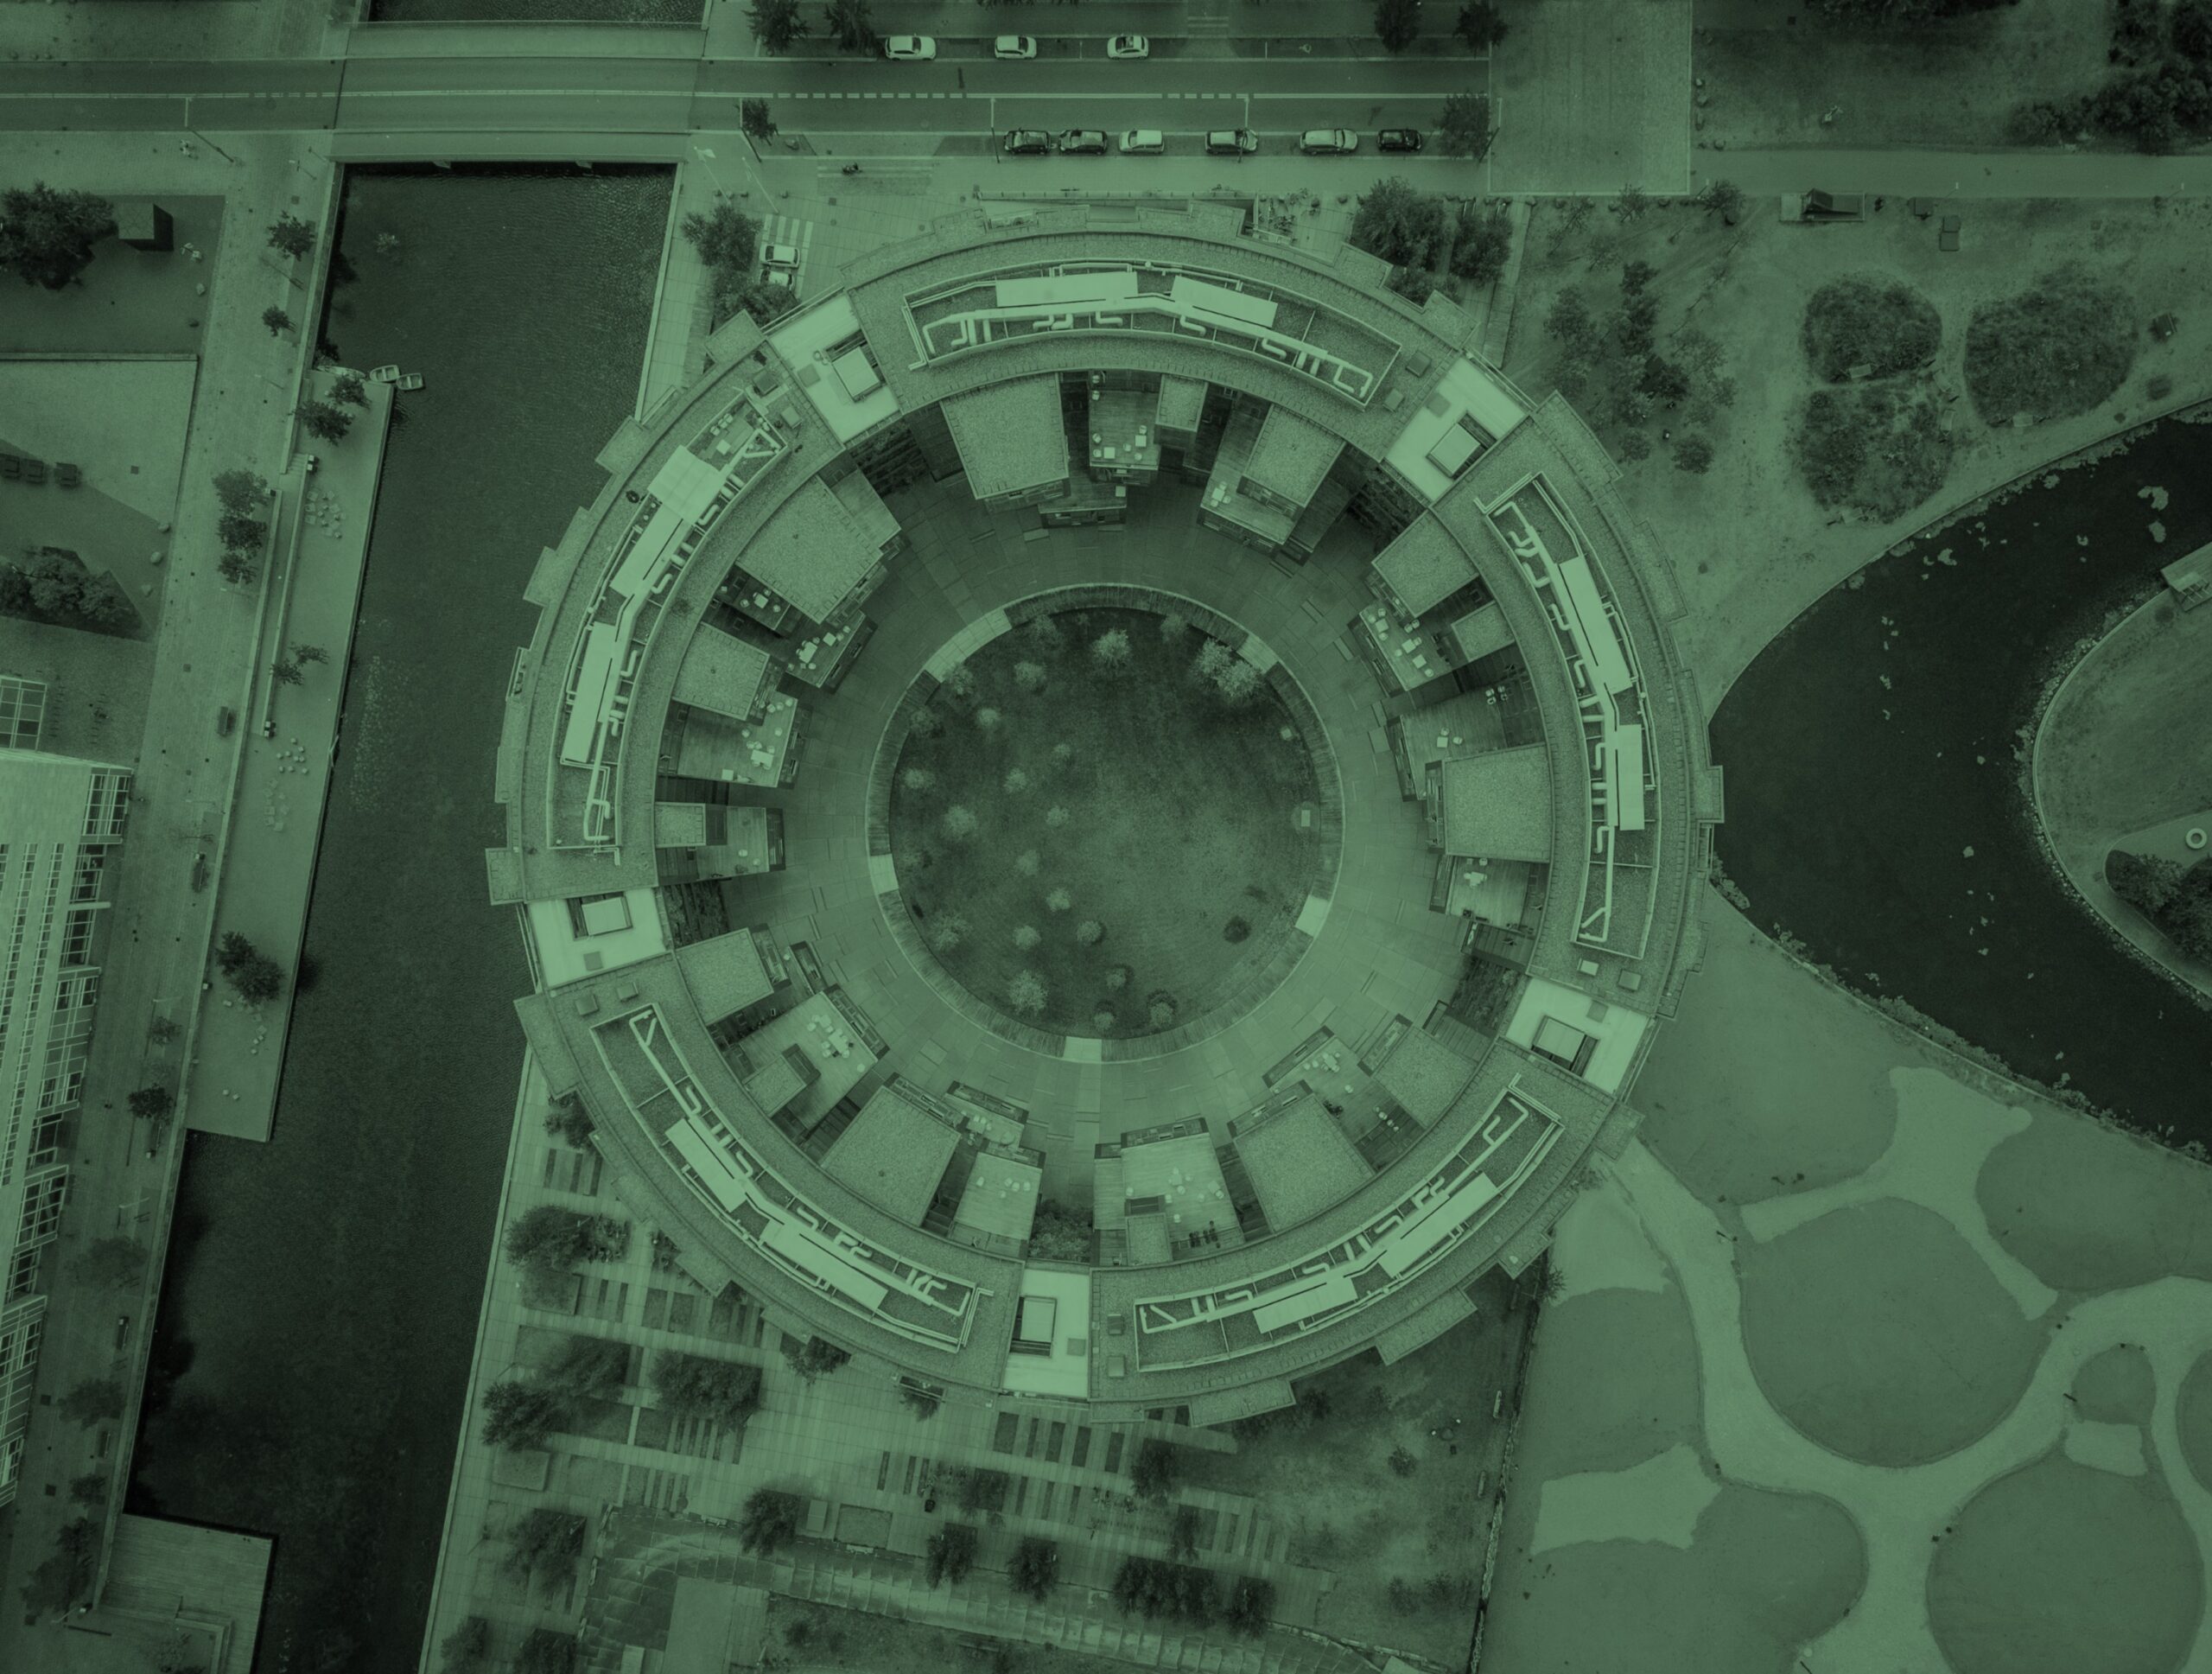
x: 1173, y: 626
x: 64, y: 1578
x: 467, y: 1647
x: 547, y: 1650
x: 1059, y: 1233
x: 721, y: 1393
x: 277, y: 319
x: 545, y: 1539
x: 240, y: 531
x: 236, y: 566
x: 349, y: 388
x: 1059, y: 899
x: 1035, y: 1568
x: 753, y: 119
x: 153, y: 1102
x: 1183, y: 1533
x: 765, y: 300
x: 927, y: 723
x: 850, y: 28
x: 89, y: 1489
x: 1463, y: 127
x: 112, y: 1263
x: 1400, y: 225
x: 776, y: 24
x: 989, y: 720
x: 324, y: 421
x: 1025, y: 937
x: 1481, y: 241
x: 1015, y: 782
x: 48, y: 236
x: 1029, y: 676
x: 284, y: 673
x: 1693, y: 453
x: 522, y: 1417
x: 919, y: 1399
x: 949, y: 1555
x: 1479, y: 25
x: 291, y: 235
x: 960, y: 682
x: 1091, y: 932
x: 1397, y: 23
x: 1062, y: 754
x: 1662, y: 381
x: 1251, y: 1605
x: 1157, y: 1470
x: 769, y: 1521
x: 958, y: 822
x: 1159, y: 1009
x: 724, y: 235
x: 918, y: 781
x: 813, y: 1357
x: 567, y: 1119
x: 1025, y: 991
x: 1056, y: 816
x: 92, y: 1400
x: 947, y: 932
x: 1110, y: 650
x: 1723, y: 198
x: 551, y: 1239
x: 1027, y: 862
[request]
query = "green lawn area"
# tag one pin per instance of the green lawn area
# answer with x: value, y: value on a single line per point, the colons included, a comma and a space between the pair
x: 1878, y: 1331
x: 2194, y: 1419
x: 2057, y: 348
x: 2116, y: 1387
x: 2083, y: 1209
x: 1167, y: 815
x: 2058, y: 1569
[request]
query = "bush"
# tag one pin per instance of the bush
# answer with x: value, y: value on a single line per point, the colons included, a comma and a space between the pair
x: 1035, y: 1568
x: 1251, y: 1605
x: 959, y: 823
x: 1154, y: 1588
x: 1091, y: 932
x: 1236, y: 930
x: 1402, y: 1462
x: 1059, y: 900
x: 1884, y: 324
x: 1027, y: 862
x: 2057, y: 348
x: 720, y: 1393
x: 813, y: 1357
x: 2043, y: 121
x: 523, y: 1416
x: 1058, y: 1233
x: 566, y: 1118
x: 545, y: 1537
x: 1027, y: 936
x: 550, y: 1239
x: 1693, y: 453
x: 920, y: 1400
x: 949, y: 1555
x: 1876, y: 448
x: 1026, y: 992
x: 769, y: 1521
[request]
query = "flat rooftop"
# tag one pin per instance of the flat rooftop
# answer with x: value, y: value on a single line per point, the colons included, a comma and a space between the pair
x: 1011, y: 436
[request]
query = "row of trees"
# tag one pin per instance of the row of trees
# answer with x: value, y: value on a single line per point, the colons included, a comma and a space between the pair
x: 848, y: 25
x: 1423, y: 235
x: 2162, y: 96
x: 53, y: 582
x: 727, y: 239
x: 2178, y: 902
x: 1478, y: 25
x: 1154, y: 1587
x: 253, y: 975
x: 1614, y: 369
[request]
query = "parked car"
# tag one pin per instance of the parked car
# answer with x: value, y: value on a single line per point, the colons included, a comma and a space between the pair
x: 921, y: 48
x: 1014, y: 46
x: 1147, y: 142
x: 774, y: 256
x: 1231, y: 142
x: 1128, y: 45
x: 1084, y: 142
x: 1398, y: 139
x: 1328, y: 142
x: 1027, y: 142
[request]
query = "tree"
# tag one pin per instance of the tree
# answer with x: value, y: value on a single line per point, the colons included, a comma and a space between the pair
x: 919, y: 779
x: 1160, y: 1009
x: 1035, y: 1568
x: 2148, y: 883
x: 1027, y: 936
x: 277, y: 319
x: 113, y: 1263
x: 1156, y: 1471
x: 467, y: 1647
x: 1481, y: 242
x: 89, y: 1489
x: 65, y: 1578
x: 947, y: 932
x: 776, y: 24
x: 105, y: 604
x: 1723, y: 198
x: 291, y: 235
x: 547, y: 1650
x: 567, y: 1119
x: 1025, y: 991
x: 240, y: 532
x: 1015, y: 782
x: 1397, y: 23
x: 769, y: 1521
x: 48, y: 236
x: 1183, y: 1533
x: 324, y: 422
x: 1251, y: 1605
x: 1401, y: 226
x: 753, y: 119
x: 1632, y: 202
x: 153, y: 1102
x: 1110, y: 650
x: 721, y: 1393
x: 1059, y: 899
x: 349, y: 388
x: 920, y: 1400
x: 1479, y: 25
x: 57, y: 580
x: 1056, y: 816
x: 959, y: 822
x: 1662, y: 381
x: 1029, y: 676
x: 988, y: 719
x: 1173, y: 626
x: 2191, y: 28
x: 1571, y: 324
x: 725, y: 237
x: 239, y: 490
x: 15, y: 590
x: 252, y: 975
x: 1091, y: 932
x: 522, y: 1417
x: 813, y: 1357
x: 1635, y: 445
x: 1059, y: 1233
x: 1693, y: 453
x: 587, y: 1369
x: 163, y: 1030
x: 850, y: 27
x: 949, y: 1555
x: 765, y: 300
x: 545, y: 1538
x: 1463, y: 128
x: 94, y: 1400
x: 551, y: 1239
x: 284, y: 673
x: 236, y: 566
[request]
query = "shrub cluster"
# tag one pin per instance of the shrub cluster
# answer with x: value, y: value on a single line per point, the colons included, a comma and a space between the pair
x: 2178, y: 902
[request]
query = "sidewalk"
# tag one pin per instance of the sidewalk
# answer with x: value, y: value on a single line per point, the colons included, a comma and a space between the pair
x: 156, y: 940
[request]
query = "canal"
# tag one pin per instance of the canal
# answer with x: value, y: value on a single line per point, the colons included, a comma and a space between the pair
x: 323, y: 1290
x: 1876, y: 808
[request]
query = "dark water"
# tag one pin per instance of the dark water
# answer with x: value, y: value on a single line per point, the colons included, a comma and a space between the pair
x: 1852, y: 808
x: 540, y: 11
x: 323, y: 1293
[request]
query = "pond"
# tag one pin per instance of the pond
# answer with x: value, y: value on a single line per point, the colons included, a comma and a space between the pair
x: 322, y: 1296
x: 1876, y: 807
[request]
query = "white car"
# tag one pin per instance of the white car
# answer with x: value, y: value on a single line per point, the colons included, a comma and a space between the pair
x: 1014, y: 46
x: 1143, y: 142
x: 1128, y: 45
x: 779, y: 256
x: 918, y: 48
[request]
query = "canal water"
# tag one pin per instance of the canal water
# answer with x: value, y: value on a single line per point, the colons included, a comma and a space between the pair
x: 539, y: 11
x: 322, y: 1295
x: 1875, y: 802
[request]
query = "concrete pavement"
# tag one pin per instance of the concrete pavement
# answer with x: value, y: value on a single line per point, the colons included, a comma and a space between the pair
x: 1912, y: 174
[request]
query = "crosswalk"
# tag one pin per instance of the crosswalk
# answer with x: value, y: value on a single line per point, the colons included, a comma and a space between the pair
x: 1206, y: 18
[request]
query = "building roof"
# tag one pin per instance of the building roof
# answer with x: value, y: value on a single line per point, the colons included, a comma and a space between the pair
x: 724, y: 974
x: 1423, y: 1074
x: 1001, y: 1196
x: 810, y: 551
x: 1181, y: 401
x: 1425, y: 565
x: 893, y: 1153
x: 721, y: 672
x: 1292, y: 455
x: 679, y: 824
x: 1498, y: 805
x: 1010, y: 435
x: 1300, y: 1162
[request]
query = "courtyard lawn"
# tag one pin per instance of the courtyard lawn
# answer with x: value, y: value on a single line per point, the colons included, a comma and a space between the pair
x: 1877, y: 1332
x: 2058, y: 1569
x: 128, y: 302
x: 2086, y: 1210
x: 2194, y: 1418
x: 2116, y: 1387
x: 1131, y: 801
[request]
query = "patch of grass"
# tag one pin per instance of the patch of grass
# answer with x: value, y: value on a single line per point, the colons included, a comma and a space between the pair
x: 1884, y: 325
x: 1878, y: 449
x: 2057, y: 348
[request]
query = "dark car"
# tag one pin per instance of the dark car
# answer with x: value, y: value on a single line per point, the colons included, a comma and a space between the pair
x: 1027, y: 142
x: 1398, y: 139
x: 1084, y: 142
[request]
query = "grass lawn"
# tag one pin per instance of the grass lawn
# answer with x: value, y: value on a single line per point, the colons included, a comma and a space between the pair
x: 1878, y: 1331
x: 2084, y: 1209
x: 2116, y: 1387
x: 1177, y: 833
x: 127, y: 302
x: 1351, y: 1513
x: 2193, y: 1417
x: 2058, y: 1569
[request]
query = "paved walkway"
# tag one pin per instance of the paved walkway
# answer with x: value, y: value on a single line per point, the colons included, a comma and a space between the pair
x: 1934, y: 174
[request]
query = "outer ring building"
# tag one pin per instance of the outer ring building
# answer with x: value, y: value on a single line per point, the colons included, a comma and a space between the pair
x: 720, y: 581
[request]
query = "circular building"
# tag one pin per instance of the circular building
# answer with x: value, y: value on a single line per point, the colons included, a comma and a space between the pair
x: 1103, y: 815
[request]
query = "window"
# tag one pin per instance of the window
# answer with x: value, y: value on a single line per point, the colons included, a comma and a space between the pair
x: 599, y: 916
x: 43, y: 1196
x: 90, y: 863
x: 77, y: 937
x: 105, y: 804
x: 1563, y: 1044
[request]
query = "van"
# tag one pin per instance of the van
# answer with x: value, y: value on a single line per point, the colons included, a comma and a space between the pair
x: 1146, y: 142
x: 1231, y: 142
